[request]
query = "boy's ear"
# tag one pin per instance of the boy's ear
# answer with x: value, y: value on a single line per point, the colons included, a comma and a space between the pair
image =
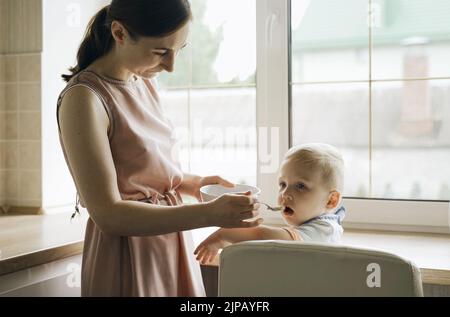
x: 333, y: 199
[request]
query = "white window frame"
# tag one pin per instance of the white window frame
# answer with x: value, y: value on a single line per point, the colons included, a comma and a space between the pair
x: 273, y: 111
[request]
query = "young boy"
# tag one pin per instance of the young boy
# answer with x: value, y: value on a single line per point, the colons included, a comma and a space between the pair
x: 310, y: 187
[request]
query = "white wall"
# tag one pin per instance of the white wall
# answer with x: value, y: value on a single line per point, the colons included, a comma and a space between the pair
x: 64, y: 24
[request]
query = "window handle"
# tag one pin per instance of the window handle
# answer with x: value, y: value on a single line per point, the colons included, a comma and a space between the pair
x: 270, y: 23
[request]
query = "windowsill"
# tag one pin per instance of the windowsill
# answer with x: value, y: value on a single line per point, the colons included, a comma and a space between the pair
x: 30, y: 240
x: 27, y: 241
x: 429, y: 251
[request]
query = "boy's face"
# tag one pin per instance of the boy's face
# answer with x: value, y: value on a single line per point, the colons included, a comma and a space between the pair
x: 302, y: 194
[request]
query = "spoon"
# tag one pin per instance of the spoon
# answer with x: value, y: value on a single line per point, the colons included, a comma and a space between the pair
x: 278, y: 208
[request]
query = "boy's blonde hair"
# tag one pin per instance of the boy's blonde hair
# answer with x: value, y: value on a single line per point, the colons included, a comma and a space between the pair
x: 321, y: 157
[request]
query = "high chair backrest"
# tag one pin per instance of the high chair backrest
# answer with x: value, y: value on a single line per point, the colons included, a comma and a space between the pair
x: 290, y: 268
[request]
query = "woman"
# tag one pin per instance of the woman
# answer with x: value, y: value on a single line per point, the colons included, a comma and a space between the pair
x: 118, y: 144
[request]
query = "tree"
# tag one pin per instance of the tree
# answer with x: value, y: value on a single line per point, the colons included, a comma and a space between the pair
x: 204, y: 45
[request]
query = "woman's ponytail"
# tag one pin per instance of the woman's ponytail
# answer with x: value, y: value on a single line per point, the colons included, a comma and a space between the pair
x: 96, y: 43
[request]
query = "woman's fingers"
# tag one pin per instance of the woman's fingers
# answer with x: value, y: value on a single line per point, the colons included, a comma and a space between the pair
x: 224, y: 182
x: 246, y: 198
x: 212, y: 255
x: 205, y: 257
x: 205, y: 254
x: 210, y: 180
x: 247, y: 193
x: 201, y: 254
x: 200, y: 248
x: 249, y: 212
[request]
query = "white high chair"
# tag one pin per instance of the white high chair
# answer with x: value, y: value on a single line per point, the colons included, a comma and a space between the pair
x: 290, y: 268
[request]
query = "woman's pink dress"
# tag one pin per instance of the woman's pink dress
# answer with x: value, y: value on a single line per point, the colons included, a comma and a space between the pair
x: 141, y: 140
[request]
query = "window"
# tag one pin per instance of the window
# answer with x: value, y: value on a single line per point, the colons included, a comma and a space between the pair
x: 371, y: 78
x: 211, y: 96
x: 378, y: 88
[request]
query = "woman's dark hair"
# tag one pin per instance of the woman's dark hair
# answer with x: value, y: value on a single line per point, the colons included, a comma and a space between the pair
x: 155, y: 18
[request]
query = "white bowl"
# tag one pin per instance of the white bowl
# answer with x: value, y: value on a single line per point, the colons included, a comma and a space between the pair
x: 210, y: 192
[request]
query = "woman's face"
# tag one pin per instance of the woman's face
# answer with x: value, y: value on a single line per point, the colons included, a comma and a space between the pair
x: 150, y: 55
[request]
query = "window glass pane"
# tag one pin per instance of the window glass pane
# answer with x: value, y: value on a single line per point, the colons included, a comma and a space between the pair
x: 399, y: 142
x: 329, y: 40
x: 411, y: 39
x: 211, y: 96
x: 222, y: 45
x: 411, y: 133
x: 337, y: 114
x: 216, y: 71
x: 175, y: 104
x: 223, y: 133
x: 223, y: 138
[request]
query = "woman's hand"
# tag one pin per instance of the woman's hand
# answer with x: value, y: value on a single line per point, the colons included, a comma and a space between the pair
x: 191, y: 184
x: 209, y: 248
x: 230, y: 211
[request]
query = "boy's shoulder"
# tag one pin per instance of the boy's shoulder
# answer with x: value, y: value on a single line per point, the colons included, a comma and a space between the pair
x: 320, y: 229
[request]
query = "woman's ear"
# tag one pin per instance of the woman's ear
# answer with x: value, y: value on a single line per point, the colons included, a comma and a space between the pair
x: 333, y: 199
x: 119, y: 32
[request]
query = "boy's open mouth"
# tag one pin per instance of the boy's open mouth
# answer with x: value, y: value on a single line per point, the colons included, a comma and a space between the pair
x: 288, y: 211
